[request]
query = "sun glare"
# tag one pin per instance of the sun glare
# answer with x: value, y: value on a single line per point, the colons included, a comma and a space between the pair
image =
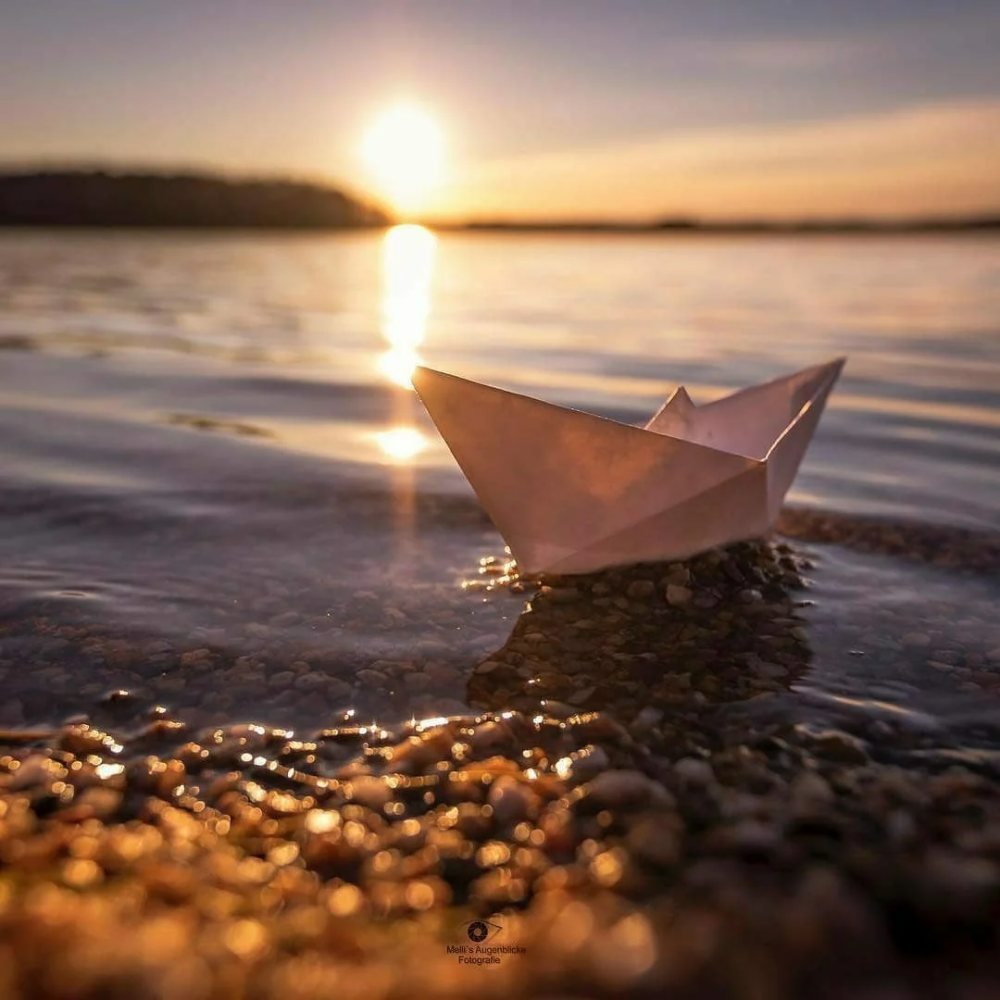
x: 404, y: 150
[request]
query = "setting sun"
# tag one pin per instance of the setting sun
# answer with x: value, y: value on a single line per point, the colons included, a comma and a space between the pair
x: 404, y: 149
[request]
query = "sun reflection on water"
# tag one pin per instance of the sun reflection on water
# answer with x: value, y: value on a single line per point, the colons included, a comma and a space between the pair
x: 401, y: 443
x: 397, y: 366
x: 407, y: 272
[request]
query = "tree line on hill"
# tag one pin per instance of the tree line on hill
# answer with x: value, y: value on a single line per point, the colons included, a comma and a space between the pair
x: 100, y: 198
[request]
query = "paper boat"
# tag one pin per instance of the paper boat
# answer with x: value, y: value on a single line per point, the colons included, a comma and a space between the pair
x: 572, y: 492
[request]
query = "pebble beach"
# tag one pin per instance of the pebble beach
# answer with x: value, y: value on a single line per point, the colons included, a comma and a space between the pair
x: 623, y: 835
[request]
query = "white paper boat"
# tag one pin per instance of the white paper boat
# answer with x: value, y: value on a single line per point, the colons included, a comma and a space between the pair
x: 572, y: 492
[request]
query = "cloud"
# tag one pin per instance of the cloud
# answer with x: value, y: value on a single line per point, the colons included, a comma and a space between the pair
x: 938, y: 158
x: 782, y: 54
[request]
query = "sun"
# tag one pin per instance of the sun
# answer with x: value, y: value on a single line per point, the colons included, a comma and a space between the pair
x: 404, y: 149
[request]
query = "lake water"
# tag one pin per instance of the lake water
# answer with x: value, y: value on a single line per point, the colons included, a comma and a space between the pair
x: 217, y: 491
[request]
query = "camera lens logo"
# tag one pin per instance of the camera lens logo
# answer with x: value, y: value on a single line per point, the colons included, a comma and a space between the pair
x: 482, y: 930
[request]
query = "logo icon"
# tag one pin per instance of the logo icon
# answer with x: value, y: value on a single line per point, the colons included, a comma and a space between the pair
x: 482, y: 930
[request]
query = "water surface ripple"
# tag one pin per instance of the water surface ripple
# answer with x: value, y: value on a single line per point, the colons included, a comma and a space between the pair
x: 205, y: 444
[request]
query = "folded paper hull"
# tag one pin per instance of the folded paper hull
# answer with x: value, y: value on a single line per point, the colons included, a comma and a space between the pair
x: 572, y: 492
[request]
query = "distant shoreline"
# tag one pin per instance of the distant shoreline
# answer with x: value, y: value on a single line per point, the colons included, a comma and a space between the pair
x: 990, y: 229
x: 987, y: 225
x: 107, y: 199
x: 101, y: 199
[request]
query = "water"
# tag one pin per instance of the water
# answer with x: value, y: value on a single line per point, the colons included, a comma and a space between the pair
x: 205, y: 445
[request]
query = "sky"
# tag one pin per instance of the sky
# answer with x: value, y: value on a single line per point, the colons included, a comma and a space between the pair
x: 548, y: 109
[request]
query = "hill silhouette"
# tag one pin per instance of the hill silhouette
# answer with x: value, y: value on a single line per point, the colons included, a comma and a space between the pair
x: 146, y: 198
x: 103, y: 198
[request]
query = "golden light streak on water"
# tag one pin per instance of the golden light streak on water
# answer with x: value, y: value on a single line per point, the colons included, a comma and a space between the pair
x: 407, y: 272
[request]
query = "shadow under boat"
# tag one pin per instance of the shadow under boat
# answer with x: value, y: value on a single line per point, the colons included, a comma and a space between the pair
x: 664, y: 638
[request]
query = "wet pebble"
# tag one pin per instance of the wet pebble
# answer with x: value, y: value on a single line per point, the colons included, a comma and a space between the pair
x: 694, y: 771
x: 511, y: 800
x: 616, y: 788
x: 678, y: 595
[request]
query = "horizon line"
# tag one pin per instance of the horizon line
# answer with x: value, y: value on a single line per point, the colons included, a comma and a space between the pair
x: 668, y: 222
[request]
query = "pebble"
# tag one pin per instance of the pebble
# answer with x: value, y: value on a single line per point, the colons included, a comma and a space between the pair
x: 95, y: 803
x: 772, y: 671
x: 511, y: 800
x: 581, y: 696
x: 368, y: 677
x: 559, y: 709
x: 839, y: 746
x: 587, y: 763
x: 655, y: 842
x: 35, y: 770
x: 616, y: 788
x: 639, y: 590
x: 12, y: 712
x: 311, y: 682
x: 647, y: 719
x: 677, y: 595
x: 809, y: 789
x: 694, y: 771
x: 752, y: 837
x: 563, y: 595
x: 417, y: 682
x: 370, y: 791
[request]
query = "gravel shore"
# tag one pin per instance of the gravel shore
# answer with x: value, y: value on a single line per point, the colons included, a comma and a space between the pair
x: 621, y: 814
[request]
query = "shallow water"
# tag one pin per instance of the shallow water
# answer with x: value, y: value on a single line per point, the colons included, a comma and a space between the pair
x: 203, y: 447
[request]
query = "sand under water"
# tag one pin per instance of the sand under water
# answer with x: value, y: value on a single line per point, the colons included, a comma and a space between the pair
x: 280, y: 719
